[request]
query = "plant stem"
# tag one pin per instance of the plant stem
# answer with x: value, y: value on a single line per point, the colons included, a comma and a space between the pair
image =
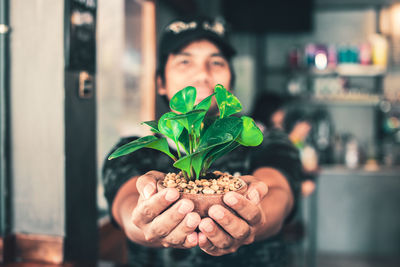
x: 195, y: 141
x: 178, y: 150
x: 204, y: 169
x: 190, y: 143
x: 192, y: 173
x: 185, y: 175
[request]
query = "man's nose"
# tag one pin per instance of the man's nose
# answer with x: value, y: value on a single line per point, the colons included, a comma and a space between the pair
x: 204, y: 73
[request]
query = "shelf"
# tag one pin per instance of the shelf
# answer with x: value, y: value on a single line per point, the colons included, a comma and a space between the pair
x: 395, y: 105
x: 357, y: 70
x: 317, y: 72
x: 346, y: 70
x: 347, y: 100
x: 351, y: 4
x: 361, y: 171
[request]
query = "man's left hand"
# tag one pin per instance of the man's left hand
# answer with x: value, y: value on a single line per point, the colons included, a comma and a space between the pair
x: 224, y: 231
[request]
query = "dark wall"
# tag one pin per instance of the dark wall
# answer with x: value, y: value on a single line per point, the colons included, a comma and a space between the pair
x: 269, y: 16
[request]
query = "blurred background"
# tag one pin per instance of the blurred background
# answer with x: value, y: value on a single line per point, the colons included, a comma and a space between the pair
x: 76, y: 75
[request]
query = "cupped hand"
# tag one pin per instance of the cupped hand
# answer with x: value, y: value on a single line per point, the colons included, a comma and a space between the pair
x: 225, y: 231
x: 162, y: 217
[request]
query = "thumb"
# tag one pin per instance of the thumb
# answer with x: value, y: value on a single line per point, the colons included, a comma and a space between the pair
x: 256, y: 191
x: 147, y: 183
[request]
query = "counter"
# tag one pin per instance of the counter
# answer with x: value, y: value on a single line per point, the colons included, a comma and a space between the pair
x: 357, y: 211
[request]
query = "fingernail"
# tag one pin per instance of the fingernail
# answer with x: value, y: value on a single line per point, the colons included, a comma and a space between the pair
x: 191, y: 222
x: 185, y: 207
x: 231, y: 200
x: 148, y: 190
x: 208, y: 227
x: 171, y: 195
x: 217, y: 214
x: 192, y: 238
x: 202, y: 238
x: 254, y: 196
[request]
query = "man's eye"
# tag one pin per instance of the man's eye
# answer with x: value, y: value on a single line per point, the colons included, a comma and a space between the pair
x: 218, y: 63
x: 184, y: 62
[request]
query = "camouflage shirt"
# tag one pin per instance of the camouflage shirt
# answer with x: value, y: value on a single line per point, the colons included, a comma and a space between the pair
x: 276, y: 151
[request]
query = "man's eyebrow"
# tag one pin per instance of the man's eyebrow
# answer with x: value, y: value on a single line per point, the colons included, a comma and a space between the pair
x: 217, y: 55
x: 182, y: 54
x: 189, y: 54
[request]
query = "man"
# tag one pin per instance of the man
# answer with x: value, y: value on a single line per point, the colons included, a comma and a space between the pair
x: 163, y: 229
x: 284, y: 113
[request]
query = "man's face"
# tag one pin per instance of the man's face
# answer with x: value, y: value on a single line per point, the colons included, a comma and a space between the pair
x: 277, y: 119
x: 199, y: 64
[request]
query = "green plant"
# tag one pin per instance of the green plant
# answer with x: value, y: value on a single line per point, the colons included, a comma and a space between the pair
x: 204, y: 139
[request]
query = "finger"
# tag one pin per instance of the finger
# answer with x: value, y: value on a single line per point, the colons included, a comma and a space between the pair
x: 191, y: 240
x: 245, y: 208
x: 178, y: 236
x: 166, y: 222
x: 206, y: 245
x: 147, y: 183
x: 147, y: 210
x: 256, y: 191
x: 232, y: 224
x: 215, y: 234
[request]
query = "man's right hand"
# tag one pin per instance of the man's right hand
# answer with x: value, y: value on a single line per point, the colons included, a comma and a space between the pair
x: 161, y: 217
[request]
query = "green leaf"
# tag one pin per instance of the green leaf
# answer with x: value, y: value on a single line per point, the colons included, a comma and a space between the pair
x: 220, y: 130
x: 187, y: 162
x: 197, y: 125
x: 196, y: 159
x: 149, y: 141
x: 231, y: 125
x: 183, y: 101
x: 212, y: 141
x: 205, y: 104
x: 170, y: 128
x: 228, y: 104
x: 218, y: 152
x: 188, y: 119
x: 153, y: 125
x: 251, y: 134
x: 184, y: 141
x: 162, y: 145
x: 197, y: 162
x: 207, y: 122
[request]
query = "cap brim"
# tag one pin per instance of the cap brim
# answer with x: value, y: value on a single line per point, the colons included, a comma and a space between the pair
x: 226, y: 49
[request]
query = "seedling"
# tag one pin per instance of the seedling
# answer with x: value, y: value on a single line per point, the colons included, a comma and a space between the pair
x: 202, y: 138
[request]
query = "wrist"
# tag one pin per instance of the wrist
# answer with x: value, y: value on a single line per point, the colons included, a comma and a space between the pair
x: 125, y: 211
x: 275, y: 207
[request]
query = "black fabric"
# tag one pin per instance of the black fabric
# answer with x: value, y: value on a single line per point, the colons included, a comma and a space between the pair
x: 184, y: 30
x: 276, y: 151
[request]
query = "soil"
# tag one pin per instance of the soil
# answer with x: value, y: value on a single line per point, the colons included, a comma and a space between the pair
x: 214, y: 183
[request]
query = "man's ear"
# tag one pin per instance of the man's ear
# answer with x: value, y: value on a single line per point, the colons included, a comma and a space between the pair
x: 161, y: 86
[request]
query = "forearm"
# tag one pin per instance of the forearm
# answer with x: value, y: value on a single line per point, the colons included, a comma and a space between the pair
x: 276, y: 205
x: 275, y: 208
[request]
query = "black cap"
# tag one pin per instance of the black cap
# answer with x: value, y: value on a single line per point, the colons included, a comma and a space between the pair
x: 181, y: 32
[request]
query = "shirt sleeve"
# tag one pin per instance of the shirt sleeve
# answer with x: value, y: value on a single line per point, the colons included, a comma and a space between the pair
x: 279, y: 153
x: 118, y: 171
